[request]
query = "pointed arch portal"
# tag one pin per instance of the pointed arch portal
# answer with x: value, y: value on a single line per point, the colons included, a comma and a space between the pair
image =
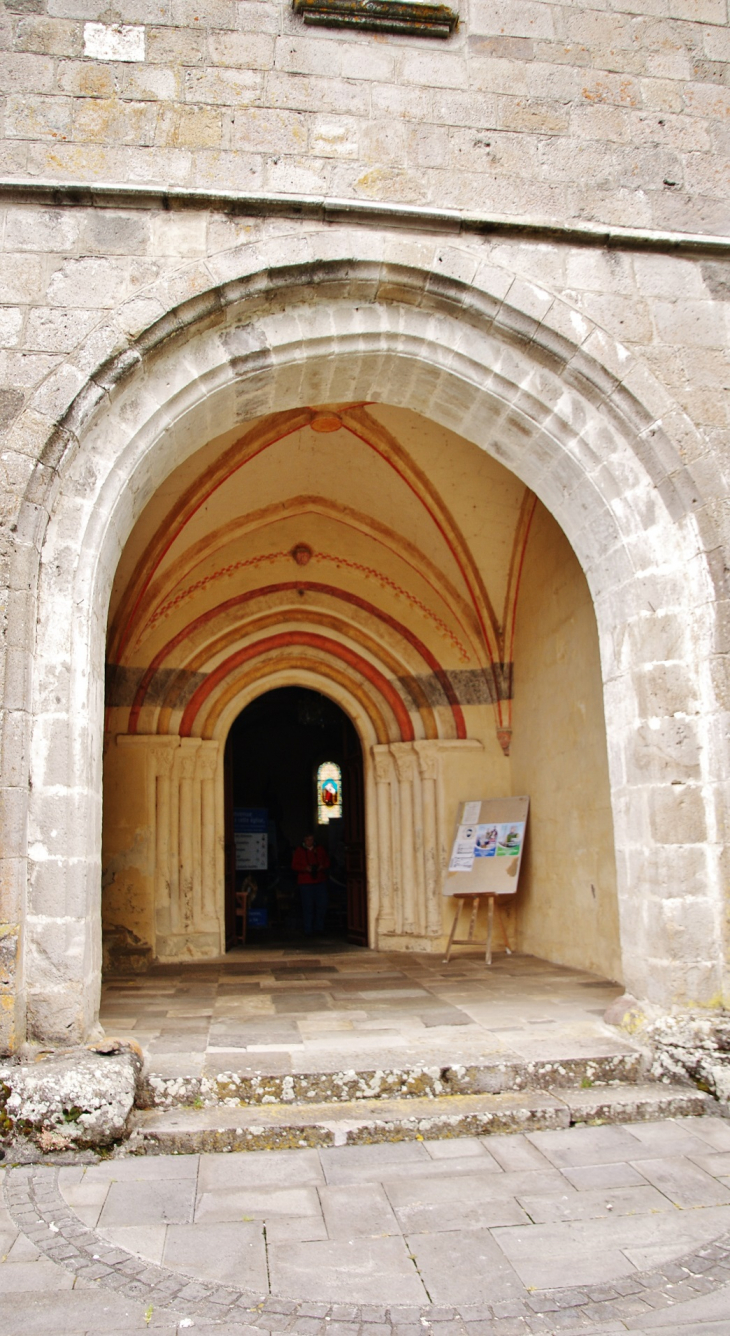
x: 298, y: 478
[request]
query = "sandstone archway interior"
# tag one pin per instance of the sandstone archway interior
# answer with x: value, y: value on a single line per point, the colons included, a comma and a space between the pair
x: 365, y: 553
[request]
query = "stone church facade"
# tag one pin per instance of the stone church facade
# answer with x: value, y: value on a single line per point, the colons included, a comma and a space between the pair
x: 387, y: 358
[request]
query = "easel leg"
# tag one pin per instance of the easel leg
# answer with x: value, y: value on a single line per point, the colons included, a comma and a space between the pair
x: 459, y: 902
x: 473, y: 919
x: 490, y: 926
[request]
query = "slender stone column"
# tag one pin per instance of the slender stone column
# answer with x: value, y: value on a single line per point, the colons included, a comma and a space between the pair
x: 175, y: 925
x: 162, y: 759
x: 383, y: 770
x: 207, y: 769
x: 405, y: 764
x: 428, y: 762
x: 189, y: 835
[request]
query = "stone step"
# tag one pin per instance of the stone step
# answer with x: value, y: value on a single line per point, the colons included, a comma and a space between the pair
x: 363, y: 1122
x: 408, y: 1082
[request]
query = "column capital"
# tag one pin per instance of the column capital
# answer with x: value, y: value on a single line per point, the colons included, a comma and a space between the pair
x: 382, y: 763
x: 405, y: 759
x: 207, y: 760
x: 188, y: 754
x: 428, y: 758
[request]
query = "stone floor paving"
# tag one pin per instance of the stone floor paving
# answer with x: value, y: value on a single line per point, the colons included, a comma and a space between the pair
x: 602, y: 1229
x: 287, y: 1012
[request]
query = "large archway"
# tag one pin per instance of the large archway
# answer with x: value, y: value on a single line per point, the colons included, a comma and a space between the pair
x: 390, y: 560
x: 504, y: 378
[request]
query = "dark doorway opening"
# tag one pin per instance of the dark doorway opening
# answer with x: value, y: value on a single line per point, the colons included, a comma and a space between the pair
x: 293, y: 766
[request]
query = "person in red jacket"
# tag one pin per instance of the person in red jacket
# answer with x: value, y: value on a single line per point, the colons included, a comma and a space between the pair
x: 310, y: 862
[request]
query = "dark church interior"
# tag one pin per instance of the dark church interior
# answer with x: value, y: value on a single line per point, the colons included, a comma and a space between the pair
x: 273, y: 753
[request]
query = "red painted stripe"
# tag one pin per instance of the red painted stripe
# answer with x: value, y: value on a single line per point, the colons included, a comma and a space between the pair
x: 432, y: 515
x: 311, y: 586
x: 311, y: 641
x: 185, y: 519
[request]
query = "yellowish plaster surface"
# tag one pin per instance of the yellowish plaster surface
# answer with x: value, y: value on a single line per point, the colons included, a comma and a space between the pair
x: 567, y: 908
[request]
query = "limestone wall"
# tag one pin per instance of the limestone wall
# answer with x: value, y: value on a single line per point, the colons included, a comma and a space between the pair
x: 567, y: 905
x: 597, y: 376
x: 616, y: 113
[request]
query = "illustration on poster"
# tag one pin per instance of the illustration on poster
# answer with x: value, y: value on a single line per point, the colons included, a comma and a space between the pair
x: 486, y: 844
x: 509, y: 839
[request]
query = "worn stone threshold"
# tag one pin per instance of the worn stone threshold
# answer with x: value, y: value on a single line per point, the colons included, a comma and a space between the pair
x: 408, y: 1082
x: 364, y: 1122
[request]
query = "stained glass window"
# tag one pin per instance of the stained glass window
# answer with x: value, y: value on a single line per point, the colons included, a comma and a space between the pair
x: 329, y: 793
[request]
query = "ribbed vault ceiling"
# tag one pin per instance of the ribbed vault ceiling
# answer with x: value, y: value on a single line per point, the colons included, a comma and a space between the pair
x: 359, y: 542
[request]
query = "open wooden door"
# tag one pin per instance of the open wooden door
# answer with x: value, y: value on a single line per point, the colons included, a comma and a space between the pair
x: 353, y: 793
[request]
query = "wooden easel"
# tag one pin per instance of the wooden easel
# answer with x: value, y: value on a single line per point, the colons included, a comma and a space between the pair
x: 470, y: 939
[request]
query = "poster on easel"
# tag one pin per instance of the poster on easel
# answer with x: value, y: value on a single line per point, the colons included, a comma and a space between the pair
x: 486, y: 854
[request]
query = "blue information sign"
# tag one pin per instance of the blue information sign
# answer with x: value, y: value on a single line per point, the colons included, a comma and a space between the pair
x: 250, y: 820
x: 250, y: 835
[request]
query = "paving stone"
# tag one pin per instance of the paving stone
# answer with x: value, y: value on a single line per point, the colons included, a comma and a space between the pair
x: 79, y: 1313
x: 716, y: 1163
x: 464, y: 1267
x: 515, y: 1153
x: 666, y: 1138
x: 134, y: 1169
x: 259, y: 1203
x: 23, y: 1277
x: 149, y: 1202
x: 592, y: 1205
x: 262, y: 1168
x: 684, y: 1183
x: 426, y: 1204
x: 147, y: 1241
x: 585, y: 1146
x: 295, y: 1228
x: 709, y: 1307
x: 602, y: 1177
x: 421, y: 1209
x: 223, y: 1329
x: 715, y: 1131
x: 18, y: 1248
x: 233, y: 1253
x: 372, y: 1215
x: 460, y: 1148
x: 358, y: 1270
x: 356, y: 1164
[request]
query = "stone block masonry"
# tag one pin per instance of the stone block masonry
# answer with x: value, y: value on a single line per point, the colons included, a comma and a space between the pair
x: 562, y: 111
x: 632, y: 463
x: 594, y: 366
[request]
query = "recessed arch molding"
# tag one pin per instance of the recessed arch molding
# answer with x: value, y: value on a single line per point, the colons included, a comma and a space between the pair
x: 491, y: 358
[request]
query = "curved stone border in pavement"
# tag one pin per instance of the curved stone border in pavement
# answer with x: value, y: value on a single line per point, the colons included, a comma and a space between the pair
x: 39, y: 1210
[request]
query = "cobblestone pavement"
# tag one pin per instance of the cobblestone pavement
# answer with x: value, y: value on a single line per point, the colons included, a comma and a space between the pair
x: 286, y: 1012
x: 605, y: 1229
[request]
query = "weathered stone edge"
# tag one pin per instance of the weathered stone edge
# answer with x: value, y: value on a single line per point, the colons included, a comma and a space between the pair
x: 364, y: 213
x: 159, y: 1091
x: 38, y: 1209
x: 535, y: 1111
